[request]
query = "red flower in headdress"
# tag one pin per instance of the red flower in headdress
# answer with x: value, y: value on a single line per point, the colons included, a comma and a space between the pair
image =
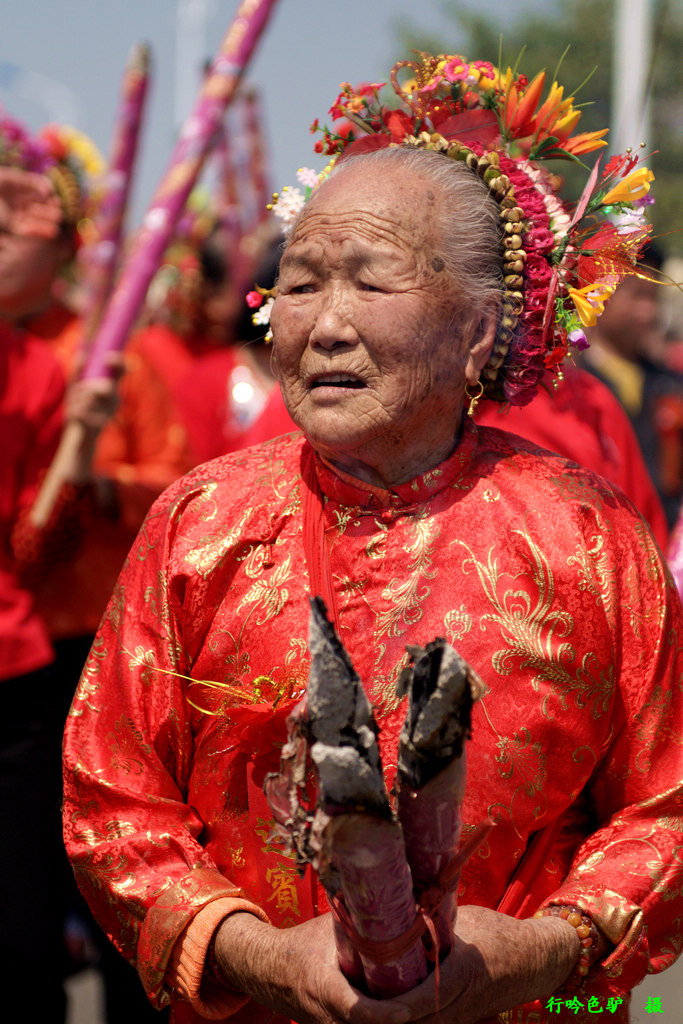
x: 470, y: 126
x: 398, y: 123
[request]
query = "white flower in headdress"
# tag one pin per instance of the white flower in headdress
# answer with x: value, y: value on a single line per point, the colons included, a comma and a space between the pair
x: 557, y: 215
x: 626, y: 220
x: 288, y: 206
x: 261, y: 316
x: 307, y: 177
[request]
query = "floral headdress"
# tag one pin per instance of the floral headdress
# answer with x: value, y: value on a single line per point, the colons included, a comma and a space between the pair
x: 560, y: 262
x: 66, y: 156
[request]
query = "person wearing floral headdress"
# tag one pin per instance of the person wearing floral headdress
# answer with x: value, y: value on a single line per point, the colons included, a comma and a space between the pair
x: 39, y: 202
x: 434, y: 263
x: 50, y: 184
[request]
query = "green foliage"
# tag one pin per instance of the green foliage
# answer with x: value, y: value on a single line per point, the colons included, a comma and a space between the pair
x: 586, y: 27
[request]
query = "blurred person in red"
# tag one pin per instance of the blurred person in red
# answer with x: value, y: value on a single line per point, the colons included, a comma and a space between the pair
x: 201, y: 340
x: 36, y: 240
x: 583, y: 421
x: 625, y: 352
x: 139, y: 452
x: 230, y: 398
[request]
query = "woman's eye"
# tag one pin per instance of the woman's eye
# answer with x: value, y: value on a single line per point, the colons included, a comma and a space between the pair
x: 300, y: 289
x: 366, y: 286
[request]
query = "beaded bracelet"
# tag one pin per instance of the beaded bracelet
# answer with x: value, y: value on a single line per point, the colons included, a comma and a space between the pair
x: 588, y: 934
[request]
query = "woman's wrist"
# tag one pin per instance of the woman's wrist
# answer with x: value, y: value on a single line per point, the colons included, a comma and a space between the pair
x: 592, y: 944
x: 236, y: 947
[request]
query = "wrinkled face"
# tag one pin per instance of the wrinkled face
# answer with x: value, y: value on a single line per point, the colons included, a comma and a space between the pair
x: 367, y: 332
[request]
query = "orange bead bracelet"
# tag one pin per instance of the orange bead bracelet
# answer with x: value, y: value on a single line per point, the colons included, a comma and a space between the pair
x: 586, y: 931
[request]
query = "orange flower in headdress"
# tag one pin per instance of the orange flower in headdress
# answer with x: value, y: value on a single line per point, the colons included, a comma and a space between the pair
x: 590, y: 301
x: 550, y: 126
x: 635, y: 186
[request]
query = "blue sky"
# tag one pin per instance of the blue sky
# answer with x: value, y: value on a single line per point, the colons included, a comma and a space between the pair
x: 63, y: 59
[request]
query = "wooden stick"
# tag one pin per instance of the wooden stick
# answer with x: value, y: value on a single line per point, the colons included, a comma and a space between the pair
x: 58, y: 473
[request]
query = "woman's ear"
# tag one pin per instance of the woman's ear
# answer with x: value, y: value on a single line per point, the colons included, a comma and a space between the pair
x: 481, y: 345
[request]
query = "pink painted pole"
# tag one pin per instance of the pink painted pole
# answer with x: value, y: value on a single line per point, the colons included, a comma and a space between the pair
x: 228, y: 199
x: 675, y: 554
x: 257, y: 161
x: 100, y: 258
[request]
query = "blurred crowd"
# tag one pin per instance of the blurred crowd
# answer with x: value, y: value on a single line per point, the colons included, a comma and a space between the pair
x: 194, y: 382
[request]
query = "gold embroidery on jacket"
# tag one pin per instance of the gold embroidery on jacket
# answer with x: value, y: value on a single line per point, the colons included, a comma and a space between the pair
x: 283, y: 881
x: 269, y: 593
x: 211, y: 549
x: 88, y: 685
x: 596, y: 576
x: 376, y: 546
x: 125, y: 742
x: 536, y: 634
x: 579, y: 488
x: 518, y: 756
x: 458, y: 622
x: 403, y: 592
x: 112, y: 832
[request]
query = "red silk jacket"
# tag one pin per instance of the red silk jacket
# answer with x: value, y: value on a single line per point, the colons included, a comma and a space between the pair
x: 544, y: 578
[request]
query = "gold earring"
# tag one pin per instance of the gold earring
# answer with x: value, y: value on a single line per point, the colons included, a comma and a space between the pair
x: 473, y: 397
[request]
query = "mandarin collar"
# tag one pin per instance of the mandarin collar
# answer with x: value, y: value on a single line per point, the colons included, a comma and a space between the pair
x: 346, y: 489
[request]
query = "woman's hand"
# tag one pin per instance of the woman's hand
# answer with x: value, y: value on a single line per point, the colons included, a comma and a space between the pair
x: 91, y: 403
x: 88, y: 407
x: 295, y: 972
x: 497, y: 962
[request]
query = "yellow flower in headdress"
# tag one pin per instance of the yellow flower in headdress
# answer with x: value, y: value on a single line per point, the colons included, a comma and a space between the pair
x: 633, y: 187
x: 590, y: 301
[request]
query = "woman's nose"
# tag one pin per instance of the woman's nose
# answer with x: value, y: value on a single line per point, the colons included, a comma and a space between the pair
x: 334, y: 323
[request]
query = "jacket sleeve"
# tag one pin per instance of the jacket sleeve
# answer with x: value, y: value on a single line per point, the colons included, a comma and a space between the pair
x: 628, y: 874
x: 133, y: 840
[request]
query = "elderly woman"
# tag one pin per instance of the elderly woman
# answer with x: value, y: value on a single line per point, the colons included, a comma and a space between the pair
x: 412, y: 523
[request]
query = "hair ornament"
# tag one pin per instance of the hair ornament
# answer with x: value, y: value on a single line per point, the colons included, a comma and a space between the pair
x: 560, y: 261
x: 67, y: 157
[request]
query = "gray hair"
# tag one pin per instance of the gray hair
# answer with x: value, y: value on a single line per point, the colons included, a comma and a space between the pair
x: 471, y: 233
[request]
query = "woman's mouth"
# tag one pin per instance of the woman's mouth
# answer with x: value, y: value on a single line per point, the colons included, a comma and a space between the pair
x: 336, y: 380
